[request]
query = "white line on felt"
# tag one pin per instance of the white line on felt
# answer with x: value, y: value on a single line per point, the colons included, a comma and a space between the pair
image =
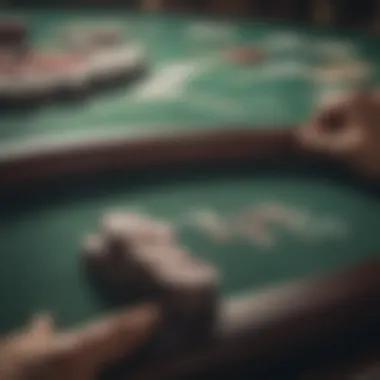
x: 169, y: 80
x: 220, y: 104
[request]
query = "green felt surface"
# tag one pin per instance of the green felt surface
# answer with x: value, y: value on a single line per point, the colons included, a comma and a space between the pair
x: 206, y: 91
x: 42, y: 229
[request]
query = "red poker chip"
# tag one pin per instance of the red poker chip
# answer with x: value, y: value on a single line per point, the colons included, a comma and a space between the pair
x: 56, y: 62
x: 245, y: 55
x: 39, y: 62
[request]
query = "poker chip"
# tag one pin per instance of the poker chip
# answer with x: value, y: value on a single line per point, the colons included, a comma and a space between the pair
x: 53, y: 75
x: 133, y: 230
x: 62, y: 75
x: 193, y: 275
x: 210, y: 223
x: 136, y: 252
x: 94, y: 246
x: 255, y: 227
x: 283, y: 215
x: 355, y: 71
x: 17, y: 89
x: 116, y: 65
x: 91, y: 38
x: 128, y: 229
x: 38, y: 78
x: 105, y: 37
x: 245, y: 55
x: 153, y: 257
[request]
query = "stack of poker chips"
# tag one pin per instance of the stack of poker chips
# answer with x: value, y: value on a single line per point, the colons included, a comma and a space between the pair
x: 93, y: 60
x: 45, y: 76
x: 110, y: 59
x: 134, y: 252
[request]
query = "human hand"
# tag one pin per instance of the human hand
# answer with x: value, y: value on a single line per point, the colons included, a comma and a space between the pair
x: 41, y: 353
x: 348, y: 128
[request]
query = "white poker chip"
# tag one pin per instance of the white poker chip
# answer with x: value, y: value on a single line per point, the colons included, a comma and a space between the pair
x: 91, y: 36
x: 114, y: 62
x: 74, y: 38
x: 106, y: 36
x: 284, y: 215
x: 8, y: 85
x: 99, y: 66
x: 188, y: 277
x: 76, y: 77
x: 23, y: 85
x: 136, y: 230
x: 94, y: 245
x: 255, y: 227
x: 123, y: 224
x: 351, y: 71
x: 71, y: 73
x: 40, y: 78
x: 46, y: 83
x: 210, y: 223
x: 51, y: 72
x: 163, y: 234
x: 153, y: 257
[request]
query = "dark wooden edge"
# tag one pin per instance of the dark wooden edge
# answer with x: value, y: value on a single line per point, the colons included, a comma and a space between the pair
x: 137, y: 153
x: 275, y: 321
x: 366, y: 367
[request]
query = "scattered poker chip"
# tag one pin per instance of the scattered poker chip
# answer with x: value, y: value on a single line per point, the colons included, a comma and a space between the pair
x: 255, y: 227
x: 94, y: 250
x: 192, y: 276
x: 133, y: 230
x: 152, y: 257
x: 94, y: 245
x: 133, y: 246
x: 355, y: 71
x: 282, y: 214
x: 90, y: 38
x: 50, y: 76
x: 211, y: 224
x: 116, y: 65
x: 62, y: 74
x: 187, y: 286
x: 245, y: 55
x: 38, y: 78
x: 109, y: 36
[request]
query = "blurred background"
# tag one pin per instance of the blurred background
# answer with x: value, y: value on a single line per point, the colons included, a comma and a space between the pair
x: 348, y: 13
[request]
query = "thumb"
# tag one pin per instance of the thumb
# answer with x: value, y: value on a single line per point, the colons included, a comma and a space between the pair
x: 42, y: 324
x: 118, y: 335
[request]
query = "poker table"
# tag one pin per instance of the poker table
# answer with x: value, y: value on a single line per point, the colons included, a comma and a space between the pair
x: 191, y: 82
x: 224, y: 143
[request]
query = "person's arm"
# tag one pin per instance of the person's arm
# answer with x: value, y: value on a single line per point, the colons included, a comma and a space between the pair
x: 40, y: 352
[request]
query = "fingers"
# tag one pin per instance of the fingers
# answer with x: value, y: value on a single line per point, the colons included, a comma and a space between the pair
x: 366, y: 110
x: 116, y: 336
x: 42, y: 324
x: 340, y: 127
x: 83, y: 351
